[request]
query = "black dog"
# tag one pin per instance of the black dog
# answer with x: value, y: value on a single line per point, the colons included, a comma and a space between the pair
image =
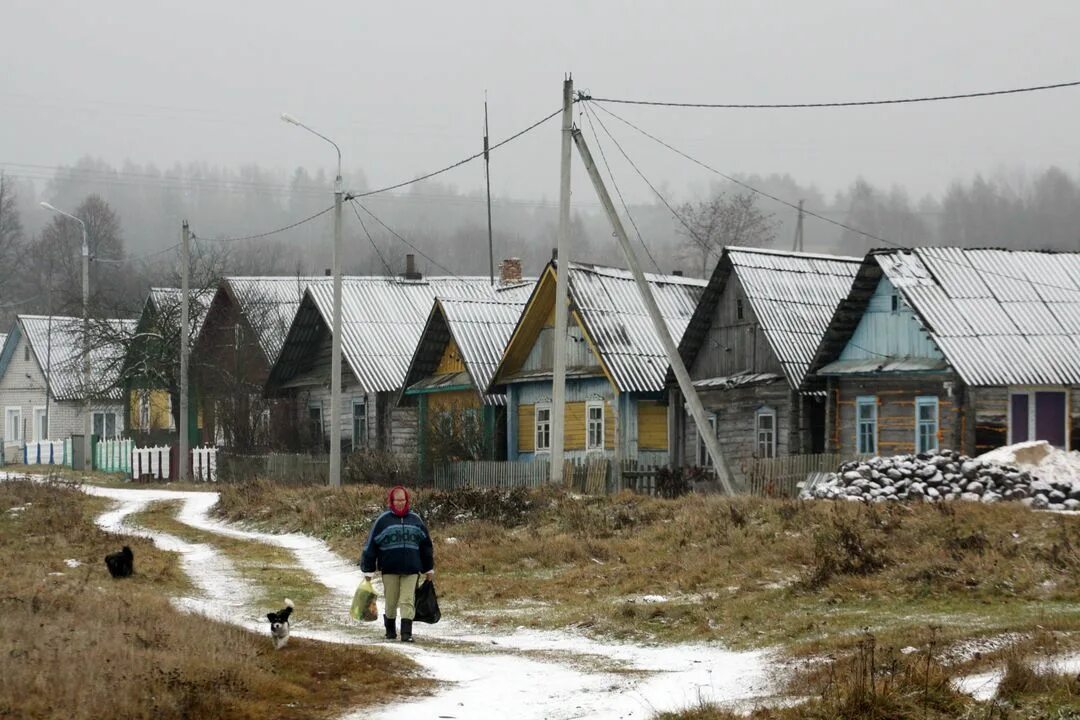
x: 279, y: 624
x: 121, y: 564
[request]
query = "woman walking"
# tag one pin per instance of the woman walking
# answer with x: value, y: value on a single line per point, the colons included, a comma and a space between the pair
x: 400, y: 547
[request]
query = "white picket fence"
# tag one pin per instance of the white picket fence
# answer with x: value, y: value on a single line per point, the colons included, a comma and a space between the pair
x: 204, y: 463
x: 44, y: 452
x: 152, y: 461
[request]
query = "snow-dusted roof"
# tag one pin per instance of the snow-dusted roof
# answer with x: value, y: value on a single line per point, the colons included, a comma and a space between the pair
x: 57, y: 346
x: 1000, y: 317
x: 169, y: 300
x: 269, y: 304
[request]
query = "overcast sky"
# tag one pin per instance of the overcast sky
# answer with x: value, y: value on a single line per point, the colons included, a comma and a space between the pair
x: 400, y: 86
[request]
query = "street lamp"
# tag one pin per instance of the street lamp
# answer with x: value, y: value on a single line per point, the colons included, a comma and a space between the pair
x: 88, y: 462
x: 335, y: 340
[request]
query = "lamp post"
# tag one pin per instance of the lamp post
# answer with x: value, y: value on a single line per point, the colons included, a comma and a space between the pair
x: 335, y: 340
x: 88, y: 461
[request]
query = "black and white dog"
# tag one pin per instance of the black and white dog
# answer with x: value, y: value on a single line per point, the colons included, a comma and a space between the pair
x: 120, y: 564
x: 279, y: 624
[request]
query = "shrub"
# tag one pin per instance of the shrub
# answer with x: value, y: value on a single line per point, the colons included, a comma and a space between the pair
x: 378, y: 467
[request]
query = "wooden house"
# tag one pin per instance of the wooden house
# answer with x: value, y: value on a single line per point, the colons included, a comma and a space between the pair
x: 748, y: 348
x: 616, y: 407
x: 382, y: 320
x: 447, y: 380
x: 959, y: 348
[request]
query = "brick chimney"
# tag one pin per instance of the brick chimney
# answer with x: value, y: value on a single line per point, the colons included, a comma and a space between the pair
x: 410, y: 268
x: 677, y: 273
x: 510, y: 271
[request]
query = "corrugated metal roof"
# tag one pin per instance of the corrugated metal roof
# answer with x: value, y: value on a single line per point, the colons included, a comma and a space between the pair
x: 793, y: 295
x: 57, y: 346
x: 382, y: 319
x: 481, y: 329
x: 733, y: 381
x: 269, y: 304
x: 874, y: 365
x: 1001, y: 317
x: 618, y: 323
x: 169, y: 300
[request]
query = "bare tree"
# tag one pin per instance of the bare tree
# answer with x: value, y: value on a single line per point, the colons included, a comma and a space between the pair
x: 726, y: 219
x: 11, y: 237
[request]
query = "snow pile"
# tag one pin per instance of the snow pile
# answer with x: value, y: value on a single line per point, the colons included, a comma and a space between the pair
x: 948, y: 475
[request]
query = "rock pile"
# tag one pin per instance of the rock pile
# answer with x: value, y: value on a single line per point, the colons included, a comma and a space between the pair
x: 942, y: 476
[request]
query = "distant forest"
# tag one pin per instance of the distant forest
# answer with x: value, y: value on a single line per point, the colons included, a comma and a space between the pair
x: 135, y: 212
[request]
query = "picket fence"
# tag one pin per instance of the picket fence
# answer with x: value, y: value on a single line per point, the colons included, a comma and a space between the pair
x: 782, y: 476
x: 152, y: 461
x: 595, y: 476
x: 45, y: 452
x: 114, y: 456
x: 204, y: 463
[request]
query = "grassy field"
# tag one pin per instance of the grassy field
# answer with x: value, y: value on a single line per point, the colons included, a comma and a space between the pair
x: 77, y: 644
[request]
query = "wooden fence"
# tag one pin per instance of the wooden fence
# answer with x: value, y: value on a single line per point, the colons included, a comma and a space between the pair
x: 781, y: 476
x: 595, y: 476
x: 283, y: 468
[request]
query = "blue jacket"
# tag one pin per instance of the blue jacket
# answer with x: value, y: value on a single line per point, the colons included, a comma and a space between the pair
x: 398, y: 546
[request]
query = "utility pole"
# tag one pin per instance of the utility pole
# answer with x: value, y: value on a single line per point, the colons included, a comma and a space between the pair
x: 685, y: 384
x: 88, y: 420
x: 335, y: 345
x: 185, y: 246
x: 562, y: 272
x: 487, y: 180
x: 798, y: 245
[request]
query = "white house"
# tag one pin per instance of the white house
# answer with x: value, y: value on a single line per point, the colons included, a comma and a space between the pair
x: 42, y: 391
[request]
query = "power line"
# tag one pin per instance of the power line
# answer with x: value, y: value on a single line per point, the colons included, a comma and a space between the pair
x: 459, y: 163
x: 371, y: 239
x: 399, y: 237
x: 589, y: 116
x: 851, y: 103
x: 272, y: 232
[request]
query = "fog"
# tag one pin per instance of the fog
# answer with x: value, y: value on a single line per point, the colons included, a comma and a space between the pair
x: 173, y: 113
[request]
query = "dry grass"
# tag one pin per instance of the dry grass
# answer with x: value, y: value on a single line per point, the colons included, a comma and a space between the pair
x: 77, y: 644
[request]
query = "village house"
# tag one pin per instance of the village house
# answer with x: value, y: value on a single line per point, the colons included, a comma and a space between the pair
x: 42, y: 388
x: 241, y: 337
x: 747, y: 349
x: 382, y: 319
x: 151, y: 374
x: 447, y: 379
x: 954, y: 348
x: 616, y: 408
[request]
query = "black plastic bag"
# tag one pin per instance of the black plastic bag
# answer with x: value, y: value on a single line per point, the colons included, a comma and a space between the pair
x: 427, y: 603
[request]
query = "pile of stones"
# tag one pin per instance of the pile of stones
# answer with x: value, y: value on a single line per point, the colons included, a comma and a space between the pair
x: 941, y: 476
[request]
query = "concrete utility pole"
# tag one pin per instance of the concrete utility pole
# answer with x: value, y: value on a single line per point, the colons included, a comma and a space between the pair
x: 487, y: 181
x: 687, y: 387
x: 185, y: 246
x: 558, y: 370
x: 335, y: 340
x: 798, y: 245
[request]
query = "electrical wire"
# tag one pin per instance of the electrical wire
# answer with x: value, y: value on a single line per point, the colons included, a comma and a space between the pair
x: 371, y: 239
x: 851, y: 103
x: 599, y: 146
x: 309, y: 218
x: 399, y: 237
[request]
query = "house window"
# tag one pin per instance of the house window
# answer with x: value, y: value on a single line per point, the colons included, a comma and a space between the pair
x: 765, y: 433
x: 703, y: 457
x: 738, y: 308
x: 26, y: 353
x: 866, y: 424
x: 1038, y: 415
x: 594, y: 426
x: 13, y: 424
x: 543, y: 428
x: 894, y: 302
x: 105, y: 424
x: 926, y: 424
x: 41, y: 424
x: 144, y: 410
x: 359, y: 424
x: 315, y: 421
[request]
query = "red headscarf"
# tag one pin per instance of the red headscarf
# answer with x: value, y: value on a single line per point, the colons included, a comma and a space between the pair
x: 390, y: 501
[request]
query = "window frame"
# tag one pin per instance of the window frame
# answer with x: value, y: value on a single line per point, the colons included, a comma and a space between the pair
x: 104, y: 435
x: 860, y: 402
x: 703, y: 458
x: 770, y: 412
x: 537, y: 409
x: 9, y: 412
x: 39, y: 411
x: 1031, y: 392
x: 321, y: 434
x: 590, y: 424
x: 927, y: 401
x: 362, y: 403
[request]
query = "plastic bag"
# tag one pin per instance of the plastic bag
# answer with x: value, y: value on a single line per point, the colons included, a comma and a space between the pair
x: 427, y: 603
x: 364, y: 606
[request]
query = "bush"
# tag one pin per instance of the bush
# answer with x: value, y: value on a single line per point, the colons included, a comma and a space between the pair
x: 379, y: 467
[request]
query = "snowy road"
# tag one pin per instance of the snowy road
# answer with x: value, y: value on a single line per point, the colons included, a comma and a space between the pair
x: 525, y: 674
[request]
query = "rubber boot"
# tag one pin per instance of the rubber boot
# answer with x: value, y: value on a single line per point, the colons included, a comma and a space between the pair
x: 391, y: 631
x: 406, y: 630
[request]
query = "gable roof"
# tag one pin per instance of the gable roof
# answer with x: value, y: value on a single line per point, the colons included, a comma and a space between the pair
x: 793, y: 296
x: 381, y: 322
x: 56, y: 344
x: 480, y: 328
x: 169, y: 300
x: 613, y: 316
x: 267, y: 303
x: 1000, y: 317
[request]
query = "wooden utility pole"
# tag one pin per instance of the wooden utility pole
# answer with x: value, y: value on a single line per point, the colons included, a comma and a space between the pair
x: 562, y: 272
x: 185, y: 271
x: 487, y: 180
x: 798, y: 244
x: 685, y: 384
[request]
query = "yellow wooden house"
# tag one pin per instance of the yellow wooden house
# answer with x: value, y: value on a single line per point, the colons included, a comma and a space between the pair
x: 616, y: 405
